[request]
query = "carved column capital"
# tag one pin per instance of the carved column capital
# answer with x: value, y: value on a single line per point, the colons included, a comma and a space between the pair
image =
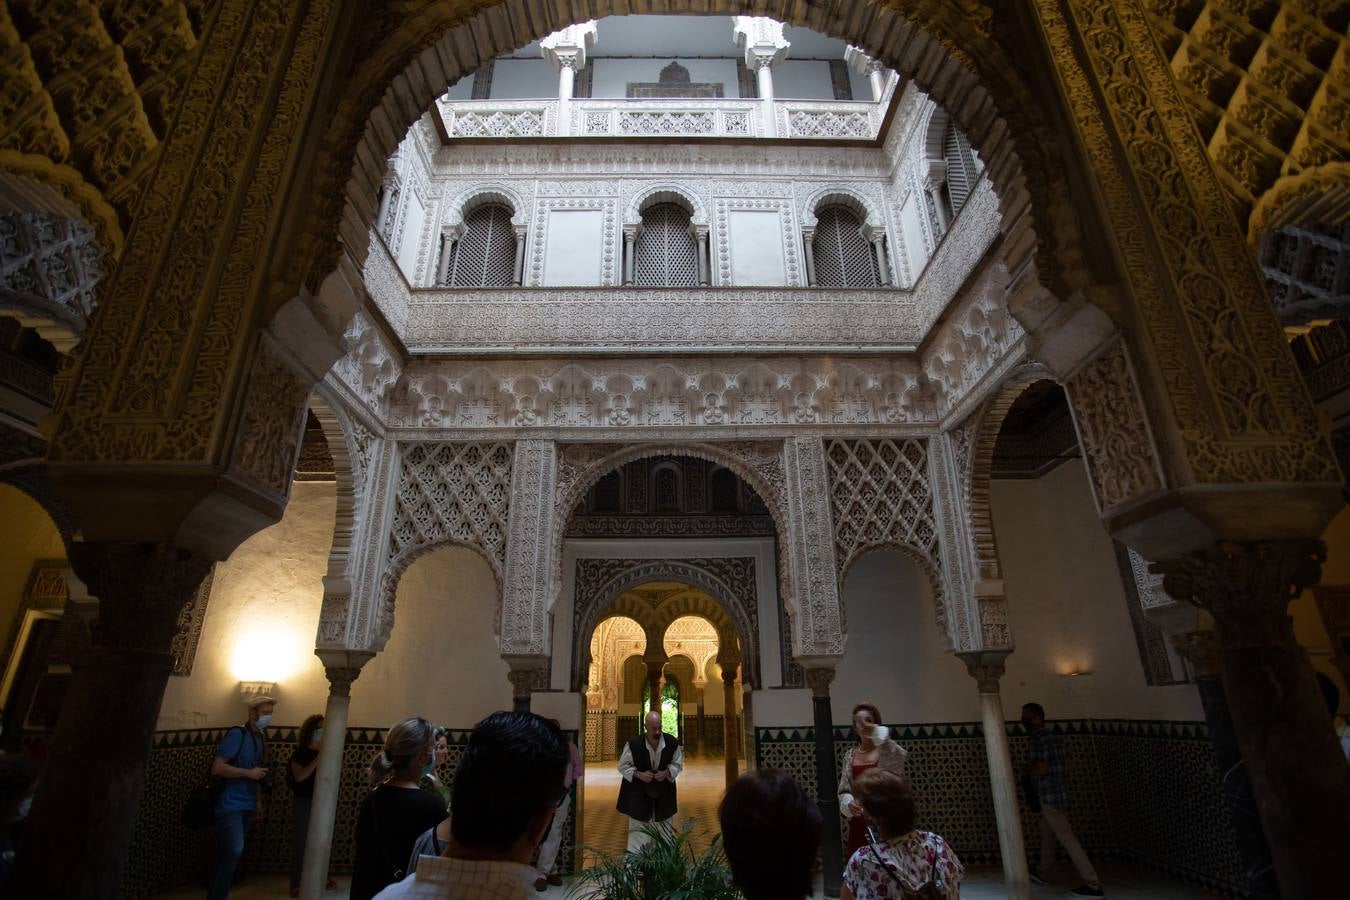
x: 986, y: 667
x: 141, y: 588
x: 1246, y: 587
x: 342, y: 667
x: 819, y: 681
x: 528, y: 673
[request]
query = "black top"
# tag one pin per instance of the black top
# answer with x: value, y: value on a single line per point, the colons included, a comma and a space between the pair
x: 390, y: 822
x: 301, y: 757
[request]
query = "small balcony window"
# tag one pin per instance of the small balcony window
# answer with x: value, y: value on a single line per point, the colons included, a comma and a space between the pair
x: 486, y: 254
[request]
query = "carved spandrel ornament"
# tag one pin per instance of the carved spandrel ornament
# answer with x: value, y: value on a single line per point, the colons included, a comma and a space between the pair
x: 1114, y: 430
x: 1205, y: 311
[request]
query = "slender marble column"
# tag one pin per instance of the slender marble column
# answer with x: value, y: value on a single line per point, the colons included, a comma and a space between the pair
x: 701, y: 242
x: 567, y: 75
x: 447, y: 254
x: 654, y: 670
x: 809, y: 253
x: 883, y: 264
x: 518, y: 276
x: 764, y: 74
x: 827, y: 779
x: 730, y: 738
x: 328, y: 775
x: 877, y: 80
x: 629, y: 248
x: 987, y: 668
x: 701, y: 738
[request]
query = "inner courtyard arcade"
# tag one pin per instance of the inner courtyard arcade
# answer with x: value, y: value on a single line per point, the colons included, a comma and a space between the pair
x: 919, y: 352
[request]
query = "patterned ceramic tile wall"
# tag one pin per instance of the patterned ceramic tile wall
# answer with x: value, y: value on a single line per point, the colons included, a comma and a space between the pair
x: 1148, y: 791
x: 165, y: 854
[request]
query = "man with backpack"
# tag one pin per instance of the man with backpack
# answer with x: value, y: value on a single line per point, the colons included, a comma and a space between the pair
x: 239, y: 766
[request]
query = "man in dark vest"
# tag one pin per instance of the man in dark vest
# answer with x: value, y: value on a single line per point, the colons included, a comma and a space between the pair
x: 650, y: 763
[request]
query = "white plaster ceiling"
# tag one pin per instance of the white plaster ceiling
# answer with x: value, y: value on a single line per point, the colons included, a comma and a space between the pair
x: 688, y: 37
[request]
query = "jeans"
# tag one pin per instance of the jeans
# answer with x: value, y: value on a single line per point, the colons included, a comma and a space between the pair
x: 230, y: 829
x: 299, y: 831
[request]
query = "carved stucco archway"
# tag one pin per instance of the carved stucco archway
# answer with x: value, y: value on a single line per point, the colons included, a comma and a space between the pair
x: 758, y: 463
x: 734, y: 614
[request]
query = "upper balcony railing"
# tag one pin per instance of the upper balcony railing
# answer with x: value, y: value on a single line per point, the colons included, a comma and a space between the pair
x: 674, y: 118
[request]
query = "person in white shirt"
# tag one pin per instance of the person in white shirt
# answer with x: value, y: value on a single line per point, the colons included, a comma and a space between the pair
x: 503, y: 799
x: 650, y: 763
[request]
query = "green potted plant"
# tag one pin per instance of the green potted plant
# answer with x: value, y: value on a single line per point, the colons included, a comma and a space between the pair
x: 666, y: 868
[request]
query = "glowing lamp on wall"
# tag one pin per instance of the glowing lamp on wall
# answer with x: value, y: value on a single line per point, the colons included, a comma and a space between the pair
x: 267, y: 654
x: 1073, y: 668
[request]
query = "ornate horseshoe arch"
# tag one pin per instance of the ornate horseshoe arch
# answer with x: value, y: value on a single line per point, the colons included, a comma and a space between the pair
x: 729, y: 581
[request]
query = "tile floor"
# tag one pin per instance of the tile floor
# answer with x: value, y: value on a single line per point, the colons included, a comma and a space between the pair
x: 700, y: 790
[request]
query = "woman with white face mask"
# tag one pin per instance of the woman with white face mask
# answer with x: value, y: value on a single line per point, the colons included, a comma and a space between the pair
x: 875, y: 750
x: 18, y: 781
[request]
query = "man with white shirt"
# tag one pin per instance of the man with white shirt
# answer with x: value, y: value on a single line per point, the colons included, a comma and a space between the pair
x: 650, y: 763
x: 506, y: 790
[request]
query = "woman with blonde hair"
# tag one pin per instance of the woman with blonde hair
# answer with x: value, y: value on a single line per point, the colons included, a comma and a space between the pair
x: 903, y: 862
x: 396, y: 810
x: 875, y: 749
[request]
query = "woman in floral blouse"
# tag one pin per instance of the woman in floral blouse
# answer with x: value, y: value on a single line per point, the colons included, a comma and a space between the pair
x: 904, y: 861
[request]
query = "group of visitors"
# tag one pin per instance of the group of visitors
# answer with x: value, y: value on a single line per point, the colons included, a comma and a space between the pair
x: 512, y: 788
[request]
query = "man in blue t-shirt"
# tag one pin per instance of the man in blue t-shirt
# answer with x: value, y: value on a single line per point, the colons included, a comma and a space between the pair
x: 239, y: 765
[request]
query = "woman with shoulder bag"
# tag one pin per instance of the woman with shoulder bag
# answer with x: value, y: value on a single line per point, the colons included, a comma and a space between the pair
x: 396, y: 811
x: 902, y: 863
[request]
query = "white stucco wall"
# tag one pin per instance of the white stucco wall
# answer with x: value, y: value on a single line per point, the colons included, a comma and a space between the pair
x: 756, y: 248
x: 895, y: 657
x: 574, y: 244
x: 523, y: 79
x: 1066, y: 606
x: 806, y: 79
x: 261, y: 620
x: 442, y: 660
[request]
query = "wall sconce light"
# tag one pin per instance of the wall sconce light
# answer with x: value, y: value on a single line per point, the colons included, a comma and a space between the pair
x: 250, y: 689
x: 1076, y: 673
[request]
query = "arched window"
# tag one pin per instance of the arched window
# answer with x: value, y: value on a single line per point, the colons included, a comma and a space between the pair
x: 665, y: 254
x: 666, y: 489
x: 724, y: 491
x: 962, y: 169
x: 485, y: 255
x: 843, y: 256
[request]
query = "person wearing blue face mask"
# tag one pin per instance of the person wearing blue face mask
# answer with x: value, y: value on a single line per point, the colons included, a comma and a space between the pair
x: 300, y: 779
x: 239, y: 766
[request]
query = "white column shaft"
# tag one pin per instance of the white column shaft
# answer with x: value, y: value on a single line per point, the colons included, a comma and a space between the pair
x: 878, y: 82
x: 323, y: 808
x: 1004, y: 787
x: 765, y: 76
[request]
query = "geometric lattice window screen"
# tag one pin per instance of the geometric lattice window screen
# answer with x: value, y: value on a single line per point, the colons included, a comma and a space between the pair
x: 665, y: 255
x: 843, y: 256
x: 879, y: 494
x: 486, y: 253
x: 961, y: 168
x: 457, y: 492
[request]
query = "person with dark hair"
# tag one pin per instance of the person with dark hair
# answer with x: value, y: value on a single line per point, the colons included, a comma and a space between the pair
x: 548, y: 850
x: 771, y: 835
x: 300, y: 779
x: 238, y: 764
x: 903, y: 861
x: 505, y: 792
x: 649, y: 764
x: 1048, y: 766
x: 875, y: 749
x: 396, y: 811
x: 18, y: 782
